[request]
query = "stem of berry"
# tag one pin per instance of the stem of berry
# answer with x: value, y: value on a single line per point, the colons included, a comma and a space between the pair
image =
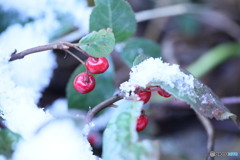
x: 107, y: 103
x: 86, y: 78
x: 95, y: 59
x: 75, y: 46
x: 76, y: 57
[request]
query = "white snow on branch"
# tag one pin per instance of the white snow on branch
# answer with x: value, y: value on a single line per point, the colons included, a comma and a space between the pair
x: 57, y: 140
x: 154, y: 70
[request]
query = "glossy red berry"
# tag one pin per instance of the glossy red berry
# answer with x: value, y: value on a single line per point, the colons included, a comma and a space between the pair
x: 142, y: 122
x: 144, y: 96
x: 97, y: 65
x: 163, y: 93
x: 84, y: 83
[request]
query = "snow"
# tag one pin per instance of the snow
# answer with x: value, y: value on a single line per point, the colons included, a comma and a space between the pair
x: 58, y: 108
x: 33, y: 71
x: 57, y: 140
x: 2, y: 157
x: 101, y: 121
x: 22, y: 81
x: 77, y: 10
x: 154, y: 71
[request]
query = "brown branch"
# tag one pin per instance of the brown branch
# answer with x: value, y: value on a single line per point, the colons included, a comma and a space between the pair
x: 20, y: 55
x: 91, y: 3
x: 210, y: 133
x: 58, y: 45
x: 205, y: 15
x: 107, y: 103
x: 80, y: 50
x: 230, y: 100
x: 175, y: 103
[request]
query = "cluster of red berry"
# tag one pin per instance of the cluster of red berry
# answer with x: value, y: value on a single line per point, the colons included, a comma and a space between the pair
x: 85, y: 82
x: 144, y: 96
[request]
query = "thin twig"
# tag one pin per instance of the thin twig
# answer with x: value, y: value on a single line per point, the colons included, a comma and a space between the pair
x: 175, y: 103
x: 230, y: 100
x: 204, y: 14
x: 210, y: 132
x: 81, y: 61
x: 58, y: 45
x: 76, y: 57
x: 107, y: 103
x: 165, y: 11
x: 80, y: 50
x: 20, y: 55
x: 91, y: 3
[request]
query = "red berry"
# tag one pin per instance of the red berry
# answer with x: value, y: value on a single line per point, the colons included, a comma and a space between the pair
x: 142, y: 122
x: 97, y: 65
x: 92, y: 139
x: 84, y: 83
x: 144, y: 96
x: 163, y: 93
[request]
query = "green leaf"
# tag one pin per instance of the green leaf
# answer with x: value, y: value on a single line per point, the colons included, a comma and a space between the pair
x: 104, y: 89
x: 98, y: 44
x: 115, y: 14
x: 135, y: 47
x: 8, y: 140
x: 120, y: 139
x: 213, y: 58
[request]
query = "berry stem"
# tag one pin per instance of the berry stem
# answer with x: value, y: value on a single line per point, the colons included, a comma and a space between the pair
x: 86, y: 79
x: 75, y: 46
x: 76, y: 57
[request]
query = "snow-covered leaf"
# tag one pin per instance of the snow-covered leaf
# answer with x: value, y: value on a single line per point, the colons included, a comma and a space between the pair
x: 139, y: 46
x: 179, y: 83
x: 98, y: 44
x: 104, y: 89
x: 8, y: 140
x: 120, y: 139
x: 115, y: 14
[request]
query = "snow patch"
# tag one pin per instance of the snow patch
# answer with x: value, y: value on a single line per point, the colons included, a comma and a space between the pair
x: 22, y: 81
x: 57, y: 140
x: 42, y: 9
x: 58, y: 108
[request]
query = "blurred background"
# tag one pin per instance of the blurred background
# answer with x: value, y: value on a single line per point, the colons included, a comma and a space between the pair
x: 201, y: 36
